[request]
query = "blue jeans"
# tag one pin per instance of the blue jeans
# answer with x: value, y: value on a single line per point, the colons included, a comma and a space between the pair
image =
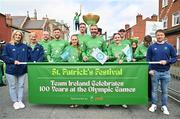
x: 16, y: 86
x: 162, y: 79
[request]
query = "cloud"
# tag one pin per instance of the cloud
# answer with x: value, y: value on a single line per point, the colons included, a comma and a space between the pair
x: 114, y: 13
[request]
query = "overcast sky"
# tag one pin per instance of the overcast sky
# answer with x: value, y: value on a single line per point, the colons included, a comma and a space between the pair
x: 114, y: 14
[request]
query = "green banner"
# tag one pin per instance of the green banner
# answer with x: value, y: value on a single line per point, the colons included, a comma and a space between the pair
x: 87, y: 83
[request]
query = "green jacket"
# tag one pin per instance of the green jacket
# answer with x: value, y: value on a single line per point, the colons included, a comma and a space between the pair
x: 44, y: 43
x: 74, y: 55
x: 126, y: 41
x: 82, y: 39
x: 55, y: 49
x: 97, y: 42
x: 113, y: 49
x: 140, y: 53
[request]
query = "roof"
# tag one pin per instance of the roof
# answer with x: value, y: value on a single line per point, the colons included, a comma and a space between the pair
x: 18, y: 21
x: 34, y: 24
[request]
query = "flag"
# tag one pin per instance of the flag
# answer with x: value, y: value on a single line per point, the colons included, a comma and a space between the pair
x: 128, y: 52
x: 65, y: 55
x: 99, y: 55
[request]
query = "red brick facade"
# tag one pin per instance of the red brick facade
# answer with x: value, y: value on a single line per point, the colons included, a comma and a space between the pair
x: 172, y: 32
x: 138, y: 30
x: 5, y: 30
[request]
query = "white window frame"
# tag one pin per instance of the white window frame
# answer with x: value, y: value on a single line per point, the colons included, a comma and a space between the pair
x: 164, y: 3
x: 178, y: 45
x: 175, y: 15
x: 165, y: 19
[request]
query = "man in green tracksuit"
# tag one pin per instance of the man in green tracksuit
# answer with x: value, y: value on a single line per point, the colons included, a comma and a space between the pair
x: 56, y: 47
x: 125, y: 41
x: 122, y: 34
x: 82, y: 36
x: 93, y: 42
x: 44, y: 42
x: 140, y: 53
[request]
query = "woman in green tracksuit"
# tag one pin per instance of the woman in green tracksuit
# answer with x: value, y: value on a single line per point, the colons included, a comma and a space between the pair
x: 74, y: 49
x: 140, y: 53
x: 74, y: 54
x: 115, y: 50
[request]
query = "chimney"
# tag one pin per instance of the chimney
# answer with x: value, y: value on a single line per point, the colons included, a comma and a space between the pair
x: 8, y: 20
x: 138, y: 18
x: 35, y: 14
x: 127, y: 26
x: 154, y: 17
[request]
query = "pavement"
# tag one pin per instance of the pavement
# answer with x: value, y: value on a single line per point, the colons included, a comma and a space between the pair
x: 93, y: 112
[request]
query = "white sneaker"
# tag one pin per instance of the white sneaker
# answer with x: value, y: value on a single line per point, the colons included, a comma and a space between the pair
x: 16, y: 106
x: 165, y: 110
x: 125, y: 106
x: 153, y: 108
x: 21, y: 105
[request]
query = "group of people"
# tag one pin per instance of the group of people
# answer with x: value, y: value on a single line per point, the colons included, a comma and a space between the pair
x: 79, y: 49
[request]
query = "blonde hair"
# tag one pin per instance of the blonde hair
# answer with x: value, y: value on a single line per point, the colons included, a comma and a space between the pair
x: 12, y: 41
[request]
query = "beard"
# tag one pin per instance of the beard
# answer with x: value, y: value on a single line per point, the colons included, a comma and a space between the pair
x: 57, y: 36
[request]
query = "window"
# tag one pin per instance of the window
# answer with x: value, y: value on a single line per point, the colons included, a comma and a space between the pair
x: 164, y: 3
x: 178, y: 45
x: 175, y: 19
x: 165, y: 21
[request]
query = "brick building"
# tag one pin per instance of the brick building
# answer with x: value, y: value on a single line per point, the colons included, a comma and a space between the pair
x: 169, y: 14
x: 5, y: 29
x: 138, y: 30
x: 32, y: 24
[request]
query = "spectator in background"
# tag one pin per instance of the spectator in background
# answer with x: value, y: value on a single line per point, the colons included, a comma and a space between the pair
x: 13, y: 54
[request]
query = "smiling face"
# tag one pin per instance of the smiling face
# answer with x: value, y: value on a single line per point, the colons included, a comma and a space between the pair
x: 74, y: 40
x: 17, y: 37
x: 57, y: 34
x: 122, y: 33
x: 32, y: 38
x: 117, y: 38
x: 82, y: 28
x: 160, y: 36
x: 46, y: 35
x: 93, y: 30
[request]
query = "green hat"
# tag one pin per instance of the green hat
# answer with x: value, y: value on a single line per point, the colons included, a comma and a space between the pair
x: 134, y: 40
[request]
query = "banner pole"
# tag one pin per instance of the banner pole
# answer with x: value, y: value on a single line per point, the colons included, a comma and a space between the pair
x: 154, y: 62
x: 23, y: 63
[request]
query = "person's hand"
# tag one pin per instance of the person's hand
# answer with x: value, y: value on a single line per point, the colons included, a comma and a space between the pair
x: 116, y: 55
x: 134, y: 60
x: 85, y: 58
x: 16, y: 62
x: 107, y: 58
x: 163, y: 62
x: 120, y: 62
x: 151, y: 72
